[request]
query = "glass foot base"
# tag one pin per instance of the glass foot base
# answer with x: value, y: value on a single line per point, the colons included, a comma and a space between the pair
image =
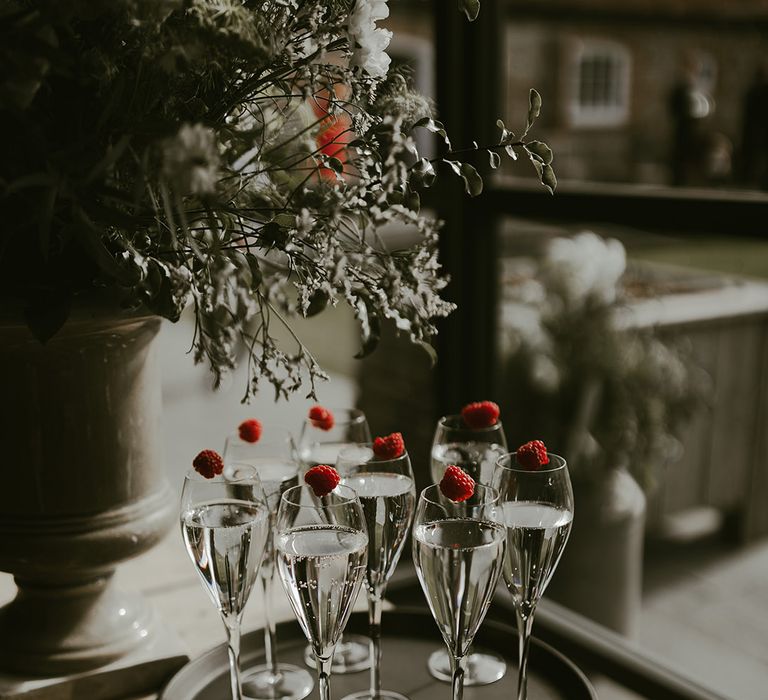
x: 383, y: 695
x: 482, y: 668
x: 291, y: 683
x: 353, y: 654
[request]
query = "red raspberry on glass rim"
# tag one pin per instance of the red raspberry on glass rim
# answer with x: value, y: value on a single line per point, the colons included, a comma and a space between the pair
x: 480, y: 414
x: 389, y: 447
x: 321, y: 418
x: 532, y: 455
x: 249, y: 430
x: 456, y: 484
x: 208, y: 463
x: 323, y: 479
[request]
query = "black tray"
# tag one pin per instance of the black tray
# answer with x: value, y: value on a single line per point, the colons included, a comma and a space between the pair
x: 409, y: 637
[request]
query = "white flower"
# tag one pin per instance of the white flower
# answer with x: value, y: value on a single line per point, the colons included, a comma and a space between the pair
x: 191, y: 160
x: 369, y: 42
x: 585, y: 266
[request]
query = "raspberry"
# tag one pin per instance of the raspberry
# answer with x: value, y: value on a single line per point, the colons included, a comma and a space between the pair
x: 389, y: 447
x: 481, y: 414
x: 457, y: 484
x: 532, y: 455
x: 321, y: 418
x: 323, y: 479
x: 250, y: 430
x: 208, y: 463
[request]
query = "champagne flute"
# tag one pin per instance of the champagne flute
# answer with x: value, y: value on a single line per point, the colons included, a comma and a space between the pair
x: 225, y: 522
x: 274, y: 459
x: 475, y: 450
x: 321, y: 549
x: 320, y: 443
x: 387, y: 492
x: 458, y: 551
x: 537, y: 509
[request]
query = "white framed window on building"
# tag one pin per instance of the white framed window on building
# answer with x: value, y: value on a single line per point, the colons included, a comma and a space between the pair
x: 597, y: 83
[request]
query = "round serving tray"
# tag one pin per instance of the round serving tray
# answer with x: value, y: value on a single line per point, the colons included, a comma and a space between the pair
x: 409, y: 637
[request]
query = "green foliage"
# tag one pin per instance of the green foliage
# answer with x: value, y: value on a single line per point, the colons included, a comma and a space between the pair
x: 232, y: 155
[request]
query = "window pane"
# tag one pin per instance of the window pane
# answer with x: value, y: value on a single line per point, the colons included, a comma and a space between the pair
x: 634, y: 98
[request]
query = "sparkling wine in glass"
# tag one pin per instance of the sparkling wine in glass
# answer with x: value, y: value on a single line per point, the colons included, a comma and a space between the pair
x: 387, y: 493
x: 321, y: 549
x: 320, y: 443
x: 225, y: 522
x: 537, y: 507
x: 275, y: 460
x: 458, y: 551
x: 476, y: 451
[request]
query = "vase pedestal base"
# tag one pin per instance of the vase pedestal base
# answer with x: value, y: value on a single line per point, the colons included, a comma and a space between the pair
x: 142, y: 671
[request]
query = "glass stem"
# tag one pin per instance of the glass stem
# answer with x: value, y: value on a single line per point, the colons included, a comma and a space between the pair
x: 524, y: 627
x: 232, y: 624
x: 324, y: 675
x: 457, y: 677
x: 270, y: 638
x: 374, y: 629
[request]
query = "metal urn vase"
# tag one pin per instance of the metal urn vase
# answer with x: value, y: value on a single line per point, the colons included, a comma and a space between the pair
x: 82, y: 489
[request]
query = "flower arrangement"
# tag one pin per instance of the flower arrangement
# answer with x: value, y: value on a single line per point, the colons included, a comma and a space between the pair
x: 238, y: 155
x: 609, y: 395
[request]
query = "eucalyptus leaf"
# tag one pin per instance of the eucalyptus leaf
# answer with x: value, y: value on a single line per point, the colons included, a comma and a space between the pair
x: 494, y: 159
x: 317, y: 302
x: 422, y: 174
x: 285, y: 220
x: 273, y: 235
x: 471, y: 8
x: 540, y: 149
x: 534, y: 108
x: 454, y: 165
x: 435, y: 127
x: 548, y: 178
x: 473, y: 183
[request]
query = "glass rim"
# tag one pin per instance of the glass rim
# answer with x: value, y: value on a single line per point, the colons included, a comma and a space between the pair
x: 275, y: 433
x: 511, y: 457
x: 349, y: 497
x: 353, y: 416
x: 254, y: 477
x: 454, y: 421
x: 485, y: 487
x: 374, y: 458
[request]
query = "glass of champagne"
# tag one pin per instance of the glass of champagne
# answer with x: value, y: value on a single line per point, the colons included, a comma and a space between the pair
x: 387, y: 492
x: 225, y: 522
x: 275, y: 460
x: 320, y: 443
x: 458, y: 551
x: 321, y: 546
x: 537, y: 508
x: 476, y: 451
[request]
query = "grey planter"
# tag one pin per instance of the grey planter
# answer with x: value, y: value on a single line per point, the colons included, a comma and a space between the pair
x: 600, y: 574
x: 82, y: 489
